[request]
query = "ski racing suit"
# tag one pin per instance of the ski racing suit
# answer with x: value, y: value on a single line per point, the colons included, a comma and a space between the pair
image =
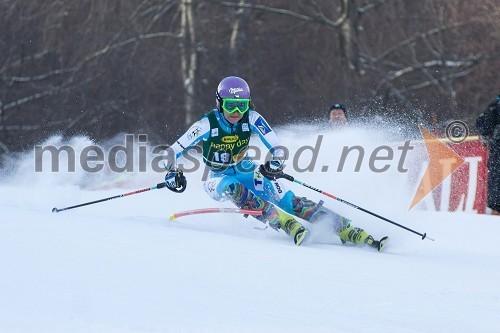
x: 233, y: 175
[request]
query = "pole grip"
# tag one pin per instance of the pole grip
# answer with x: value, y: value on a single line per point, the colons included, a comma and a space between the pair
x: 287, y: 177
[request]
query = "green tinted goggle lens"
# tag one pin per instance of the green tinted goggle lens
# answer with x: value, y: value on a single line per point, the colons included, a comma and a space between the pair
x: 231, y: 105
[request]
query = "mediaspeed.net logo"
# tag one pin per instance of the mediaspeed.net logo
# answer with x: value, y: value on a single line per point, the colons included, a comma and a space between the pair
x: 438, y: 152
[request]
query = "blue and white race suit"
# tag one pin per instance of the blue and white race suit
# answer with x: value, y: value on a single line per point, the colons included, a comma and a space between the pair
x: 243, y: 171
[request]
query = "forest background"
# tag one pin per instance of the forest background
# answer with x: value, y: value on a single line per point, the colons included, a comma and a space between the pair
x: 100, y: 68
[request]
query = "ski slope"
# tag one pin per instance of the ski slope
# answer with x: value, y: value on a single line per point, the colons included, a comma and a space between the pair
x: 122, y: 266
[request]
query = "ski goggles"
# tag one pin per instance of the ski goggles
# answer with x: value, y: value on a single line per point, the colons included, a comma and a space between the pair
x: 231, y: 105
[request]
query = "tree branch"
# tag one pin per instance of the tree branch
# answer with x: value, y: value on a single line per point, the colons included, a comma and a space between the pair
x: 415, y: 37
x: 319, y: 16
x: 268, y: 9
x: 40, y: 77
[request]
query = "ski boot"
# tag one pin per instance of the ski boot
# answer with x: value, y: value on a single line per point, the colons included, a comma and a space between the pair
x: 354, y: 235
x: 276, y: 218
x: 300, y: 236
x: 292, y: 227
x: 359, y: 237
x: 296, y: 230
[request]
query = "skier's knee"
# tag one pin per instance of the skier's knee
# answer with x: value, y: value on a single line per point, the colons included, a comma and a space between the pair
x: 305, y: 208
x: 242, y: 197
x: 211, y: 187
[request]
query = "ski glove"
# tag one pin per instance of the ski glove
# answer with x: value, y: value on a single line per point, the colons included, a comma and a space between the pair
x: 272, y: 169
x: 175, y: 180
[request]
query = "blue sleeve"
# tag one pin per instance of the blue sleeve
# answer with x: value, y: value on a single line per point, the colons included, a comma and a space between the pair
x: 266, y: 134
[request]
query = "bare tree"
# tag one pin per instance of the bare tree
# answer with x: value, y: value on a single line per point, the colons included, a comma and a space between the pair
x: 68, y: 66
x: 407, y: 49
x: 188, y: 58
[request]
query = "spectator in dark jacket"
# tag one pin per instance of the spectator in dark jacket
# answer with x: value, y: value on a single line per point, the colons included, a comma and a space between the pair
x: 488, y: 125
x: 338, y: 115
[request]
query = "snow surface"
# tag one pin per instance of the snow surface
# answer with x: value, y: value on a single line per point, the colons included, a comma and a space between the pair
x: 122, y: 266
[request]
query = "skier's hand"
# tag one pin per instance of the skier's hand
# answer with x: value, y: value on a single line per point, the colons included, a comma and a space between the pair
x: 272, y: 169
x: 175, y: 180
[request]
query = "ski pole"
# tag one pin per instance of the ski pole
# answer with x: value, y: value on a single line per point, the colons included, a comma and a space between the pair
x: 157, y: 186
x: 292, y: 179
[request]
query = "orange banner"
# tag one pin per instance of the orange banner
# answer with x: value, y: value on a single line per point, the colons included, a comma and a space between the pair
x: 463, y: 189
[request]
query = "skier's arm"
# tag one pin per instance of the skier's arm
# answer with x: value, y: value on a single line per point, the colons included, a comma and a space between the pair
x: 268, y: 137
x: 200, y: 130
x: 174, y: 179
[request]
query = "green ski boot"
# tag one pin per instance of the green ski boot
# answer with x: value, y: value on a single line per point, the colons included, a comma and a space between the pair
x: 300, y: 236
x: 354, y: 235
x: 294, y: 229
x: 359, y: 237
